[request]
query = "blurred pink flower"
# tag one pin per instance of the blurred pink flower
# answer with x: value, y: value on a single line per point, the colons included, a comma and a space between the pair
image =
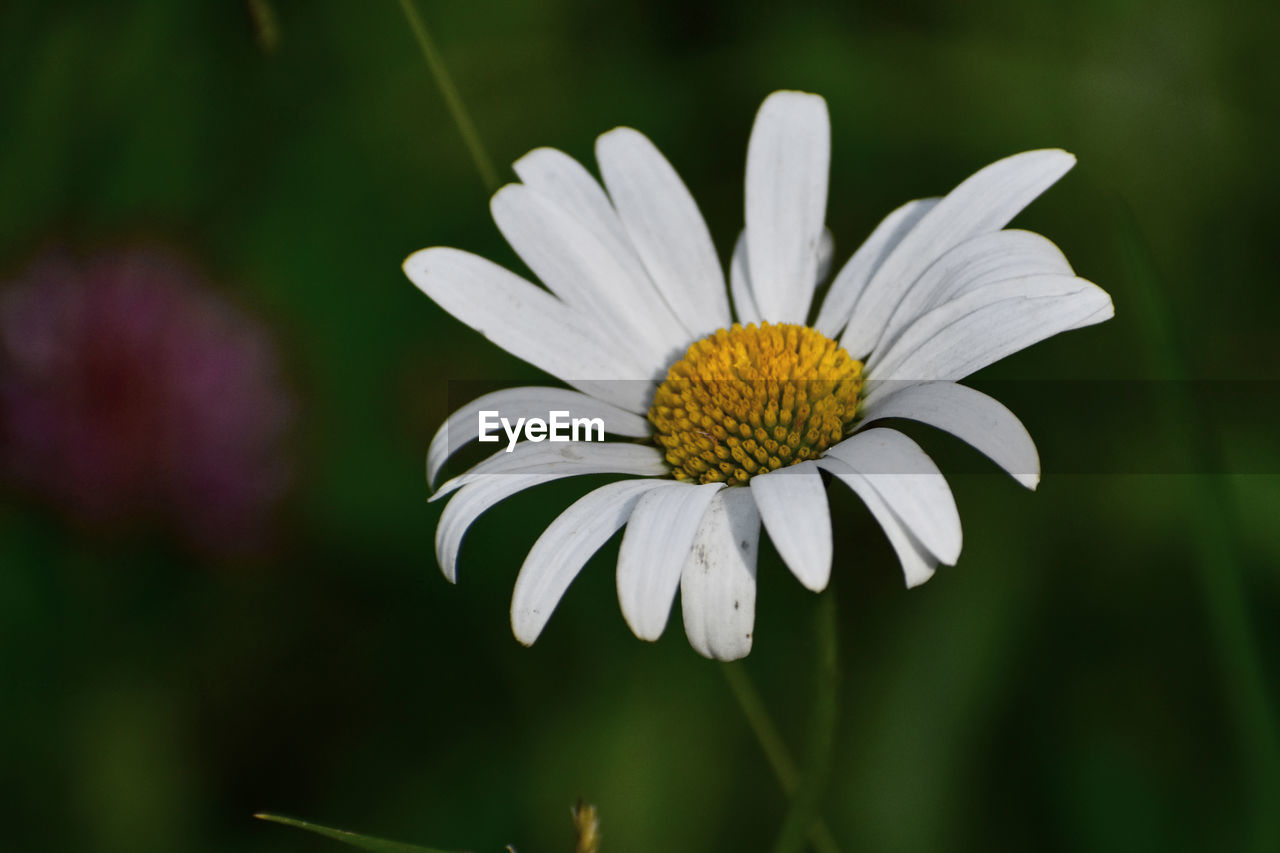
x: 132, y: 392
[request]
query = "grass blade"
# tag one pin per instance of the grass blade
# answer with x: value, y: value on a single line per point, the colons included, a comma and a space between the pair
x: 364, y: 842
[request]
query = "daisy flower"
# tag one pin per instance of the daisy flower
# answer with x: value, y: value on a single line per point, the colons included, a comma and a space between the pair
x: 730, y: 413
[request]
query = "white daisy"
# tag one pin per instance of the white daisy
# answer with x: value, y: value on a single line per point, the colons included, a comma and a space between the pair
x: 637, y: 318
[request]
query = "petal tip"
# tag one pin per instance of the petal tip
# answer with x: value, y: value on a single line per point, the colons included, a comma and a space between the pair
x: 1060, y: 154
x: 618, y: 135
x: 1066, y: 161
x: 794, y: 94
x: 727, y: 655
x: 1055, y: 160
x: 535, y: 154
x: 524, y: 628
x: 917, y: 581
x: 413, y: 260
x: 818, y: 585
x: 503, y: 192
x: 645, y: 627
x: 415, y: 266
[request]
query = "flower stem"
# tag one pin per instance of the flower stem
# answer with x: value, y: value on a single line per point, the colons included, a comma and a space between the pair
x: 822, y: 730
x: 775, y: 750
x: 452, y: 99
x: 762, y: 726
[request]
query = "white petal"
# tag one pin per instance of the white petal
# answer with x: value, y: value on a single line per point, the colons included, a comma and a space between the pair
x: 908, y: 481
x: 986, y: 324
x: 984, y: 202
x: 1105, y: 311
x: 971, y: 416
x: 793, y: 503
x: 567, y: 182
x: 986, y: 259
x: 654, y: 549
x: 917, y: 563
x: 788, y: 159
x: 468, y: 505
x: 564, y: 548
x: 826, y: 254
x: 744, y: 301
x: 529, y: 323
x: 718, y: 581
x: 463, y: 426
x: 667, y: 230
x: 857, y: 271
x: 605, y: 282
x: 564, y: 459
x: 745, y: 309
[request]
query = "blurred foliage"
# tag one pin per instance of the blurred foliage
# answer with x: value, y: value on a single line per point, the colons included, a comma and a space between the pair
x: 1060, y: 689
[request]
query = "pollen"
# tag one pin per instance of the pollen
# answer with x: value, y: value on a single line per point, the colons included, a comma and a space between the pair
x: 748, y: 400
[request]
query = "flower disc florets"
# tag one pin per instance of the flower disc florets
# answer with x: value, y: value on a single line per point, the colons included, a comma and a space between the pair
x: 749, y: 400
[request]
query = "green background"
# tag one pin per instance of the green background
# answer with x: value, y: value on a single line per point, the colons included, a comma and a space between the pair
x: 1097, y: 673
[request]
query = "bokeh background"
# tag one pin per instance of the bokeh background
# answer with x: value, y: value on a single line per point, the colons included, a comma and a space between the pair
x: 1098, y: 672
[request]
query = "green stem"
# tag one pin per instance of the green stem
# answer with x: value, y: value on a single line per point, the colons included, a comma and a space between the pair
x: 817, y: 764
x: 775, y: 749
x: 454, y: 101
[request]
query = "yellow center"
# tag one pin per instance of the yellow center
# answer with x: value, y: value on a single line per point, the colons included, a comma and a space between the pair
x: 745, y: 401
